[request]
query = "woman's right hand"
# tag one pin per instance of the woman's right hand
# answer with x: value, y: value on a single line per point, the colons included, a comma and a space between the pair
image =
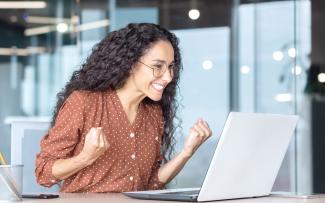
x: 95, y: 145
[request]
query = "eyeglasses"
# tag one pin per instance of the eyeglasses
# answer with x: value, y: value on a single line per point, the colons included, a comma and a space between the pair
x: 159, y: 69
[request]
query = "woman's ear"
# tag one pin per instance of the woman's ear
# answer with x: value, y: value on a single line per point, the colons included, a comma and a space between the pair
x: 133, y: 69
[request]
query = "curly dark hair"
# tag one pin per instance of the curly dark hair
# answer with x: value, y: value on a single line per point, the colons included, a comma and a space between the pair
x: 109, y: 66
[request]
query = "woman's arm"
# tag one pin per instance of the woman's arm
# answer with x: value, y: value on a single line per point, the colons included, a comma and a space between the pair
x: 61, y: 139
x: 64, y: 168
x: 95, y: 145
x: 198, y: 134
x: 169, y: 170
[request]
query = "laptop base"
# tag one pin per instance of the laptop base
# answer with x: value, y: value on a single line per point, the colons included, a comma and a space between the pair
x: 184, y: 194
x: 163, y: 197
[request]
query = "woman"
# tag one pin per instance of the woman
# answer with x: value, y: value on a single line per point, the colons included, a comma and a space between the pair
x: 113, y: 122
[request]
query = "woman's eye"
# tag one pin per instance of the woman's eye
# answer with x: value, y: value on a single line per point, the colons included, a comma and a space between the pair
x: 158, y: 66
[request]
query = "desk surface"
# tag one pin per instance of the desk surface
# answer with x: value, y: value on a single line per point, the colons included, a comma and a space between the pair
x: 116, y: 197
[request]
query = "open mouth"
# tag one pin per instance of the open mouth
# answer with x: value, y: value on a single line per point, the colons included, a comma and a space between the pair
x: 158, y: 87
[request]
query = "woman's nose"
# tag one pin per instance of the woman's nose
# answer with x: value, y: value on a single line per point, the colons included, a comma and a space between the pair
x: 167, y: 76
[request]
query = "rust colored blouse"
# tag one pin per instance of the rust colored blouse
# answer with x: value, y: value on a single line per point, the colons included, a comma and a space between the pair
x: 131, y: 162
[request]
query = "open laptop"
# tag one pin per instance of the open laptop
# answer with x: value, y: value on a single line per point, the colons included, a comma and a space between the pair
x: 245, y: 163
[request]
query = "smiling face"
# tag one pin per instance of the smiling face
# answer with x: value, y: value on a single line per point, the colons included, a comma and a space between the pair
x: 148, y: 75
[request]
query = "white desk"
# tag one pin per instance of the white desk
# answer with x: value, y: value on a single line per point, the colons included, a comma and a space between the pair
x: 119, y: 198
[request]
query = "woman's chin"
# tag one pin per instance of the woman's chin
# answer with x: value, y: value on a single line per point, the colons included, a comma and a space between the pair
x: 155, y: 97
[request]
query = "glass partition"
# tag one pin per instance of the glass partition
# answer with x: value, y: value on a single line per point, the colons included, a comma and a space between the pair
x: 273, y: 63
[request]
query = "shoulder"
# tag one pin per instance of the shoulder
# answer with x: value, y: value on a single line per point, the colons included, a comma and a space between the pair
x: 77, y: 95
x: 84, y: 96
x: 81, y: 99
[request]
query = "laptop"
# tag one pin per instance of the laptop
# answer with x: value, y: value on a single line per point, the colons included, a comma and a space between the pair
x: 245, y: 163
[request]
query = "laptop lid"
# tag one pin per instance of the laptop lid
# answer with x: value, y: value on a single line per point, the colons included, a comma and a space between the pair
x: 248, y: 156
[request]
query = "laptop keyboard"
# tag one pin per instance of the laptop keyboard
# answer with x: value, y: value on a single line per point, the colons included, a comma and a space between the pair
x: 188, y: 192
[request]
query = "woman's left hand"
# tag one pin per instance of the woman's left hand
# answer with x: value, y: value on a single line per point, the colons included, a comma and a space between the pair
x: 198, y: 134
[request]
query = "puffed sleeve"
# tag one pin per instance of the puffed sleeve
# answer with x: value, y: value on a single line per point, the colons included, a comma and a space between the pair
x: 61, y: 139
x: 154, y: 183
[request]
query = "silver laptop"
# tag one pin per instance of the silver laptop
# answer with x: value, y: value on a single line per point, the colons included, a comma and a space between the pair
x: 245, y: 163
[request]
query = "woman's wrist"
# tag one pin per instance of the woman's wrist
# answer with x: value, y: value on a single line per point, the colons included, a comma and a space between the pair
x: 83, y: 159
x: 186, y: 154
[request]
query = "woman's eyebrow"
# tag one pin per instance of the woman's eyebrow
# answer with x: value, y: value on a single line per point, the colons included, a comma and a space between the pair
x: 159, y: 60
x: 162, y: 61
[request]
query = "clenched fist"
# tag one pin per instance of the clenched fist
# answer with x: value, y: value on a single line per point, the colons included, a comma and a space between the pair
x: 95, y: 145
x: 198, y: 134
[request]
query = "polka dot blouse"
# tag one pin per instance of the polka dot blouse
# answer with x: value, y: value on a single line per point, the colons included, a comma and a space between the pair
x: 131, y: 162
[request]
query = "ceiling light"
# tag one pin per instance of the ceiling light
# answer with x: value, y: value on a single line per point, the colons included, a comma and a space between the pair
x: 21, y: 51
x: 244, y: 69
x: 22, y: 4
x: 92, y: 25
x: 38, y: 30
x: 194, y: 14
x: 62, y: 27
x: 277, y: 55
x: 79, y: 28
x: 292, y: 52
x: 321, y: 77
x: 46, y: 20
x: 207, y: 65
x: 285, y: 97
x: 298, y: 70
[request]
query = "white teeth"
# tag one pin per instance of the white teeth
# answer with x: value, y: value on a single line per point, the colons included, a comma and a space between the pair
x: 158, y: 86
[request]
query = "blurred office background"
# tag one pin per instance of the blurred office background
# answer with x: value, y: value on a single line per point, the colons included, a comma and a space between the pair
x: 238, y: 55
